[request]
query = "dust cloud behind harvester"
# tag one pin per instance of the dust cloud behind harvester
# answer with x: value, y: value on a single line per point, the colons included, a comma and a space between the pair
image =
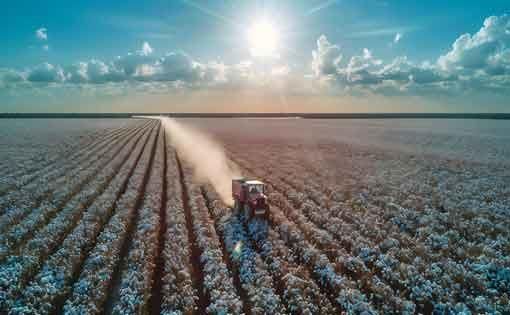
x: 204, y: 155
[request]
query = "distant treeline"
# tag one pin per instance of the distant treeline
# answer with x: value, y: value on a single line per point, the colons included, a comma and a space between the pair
x: 268, y: 115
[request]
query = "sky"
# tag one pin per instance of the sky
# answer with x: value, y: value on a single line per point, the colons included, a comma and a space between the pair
x: 255, y: 56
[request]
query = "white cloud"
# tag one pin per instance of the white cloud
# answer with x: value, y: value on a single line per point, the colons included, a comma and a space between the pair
x: 46, y: 73
x: 479, y: 61
x: 10, y: 77
x: 371, y: 73
x: 177, y: 66
x: 145, y: 71
x: 326, y: 58
x: 77, y: 73
x: 173, y: 67
x: 130, y: 62
x: 475, y: 61
x: 367, y: 54
x: 397, y: 38
x: 99, y: 72
x: 94, y: 71
x: 146, y: 49
x: 484, y: 51
x: 403, y: 70
x: 42, y: 33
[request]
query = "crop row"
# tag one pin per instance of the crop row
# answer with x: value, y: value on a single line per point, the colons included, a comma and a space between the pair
x: 179, y: 287
x: 438, y: 256
x: 18, y: 203
x: 253, y: 275
x: 300, y: 291
x: 423, y: 254
x: 324, y: 258
x: 356, y: 267
x: 91, y: 288
x: 221, y: 295
x: 18, y: 163
x: 137, y: 274
x: 60, y: 164
x: 80, y: 188
x: 292, y: 282
x: 59, y: 268
x: 83, y: 193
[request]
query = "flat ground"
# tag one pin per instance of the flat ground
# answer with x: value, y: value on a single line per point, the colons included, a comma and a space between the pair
x: 376, y: 216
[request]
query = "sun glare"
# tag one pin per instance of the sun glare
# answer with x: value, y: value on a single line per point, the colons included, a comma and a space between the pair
x: 263, y: 39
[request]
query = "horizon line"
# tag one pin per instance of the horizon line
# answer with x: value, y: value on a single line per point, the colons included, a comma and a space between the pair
x: 318, y: 115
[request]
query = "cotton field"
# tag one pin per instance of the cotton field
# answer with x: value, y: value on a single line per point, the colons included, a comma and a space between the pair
x: 366, y: 217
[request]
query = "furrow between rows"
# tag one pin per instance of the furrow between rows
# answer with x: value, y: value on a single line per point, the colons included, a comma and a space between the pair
x: 135, y: 201
x: 18, y: 269
x: 61, y: 165
x: 219, y: 288
x: 92, y: 282
x: 78, y: 198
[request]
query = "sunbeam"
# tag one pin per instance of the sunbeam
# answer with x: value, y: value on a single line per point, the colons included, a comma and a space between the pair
x: 209, y: 12
x: 320, y: 7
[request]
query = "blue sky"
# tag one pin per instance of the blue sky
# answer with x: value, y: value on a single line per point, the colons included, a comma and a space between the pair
x: 368, y: 55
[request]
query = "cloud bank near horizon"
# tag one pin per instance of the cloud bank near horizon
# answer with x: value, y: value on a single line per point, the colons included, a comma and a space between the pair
x: 478, y: 61
x: 474, y: 62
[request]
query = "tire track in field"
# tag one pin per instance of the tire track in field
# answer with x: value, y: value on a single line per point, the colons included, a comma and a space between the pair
x: 159, y: 270
x: 197, y: 274
x: 76, y: 274
x: 114, y: 286
x: 17, y: 243
x: 226, y: 259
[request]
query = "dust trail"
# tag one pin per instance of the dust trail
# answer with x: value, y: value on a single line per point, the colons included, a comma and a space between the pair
x: 206, y: 157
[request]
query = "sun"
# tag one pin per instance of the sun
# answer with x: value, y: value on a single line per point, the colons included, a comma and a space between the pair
x: 263, y: 39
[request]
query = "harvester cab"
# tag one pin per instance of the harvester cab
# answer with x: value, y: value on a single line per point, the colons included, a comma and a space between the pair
x: 250, y: 198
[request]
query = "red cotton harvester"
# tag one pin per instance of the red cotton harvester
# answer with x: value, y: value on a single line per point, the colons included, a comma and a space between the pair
x: 250, y: 198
